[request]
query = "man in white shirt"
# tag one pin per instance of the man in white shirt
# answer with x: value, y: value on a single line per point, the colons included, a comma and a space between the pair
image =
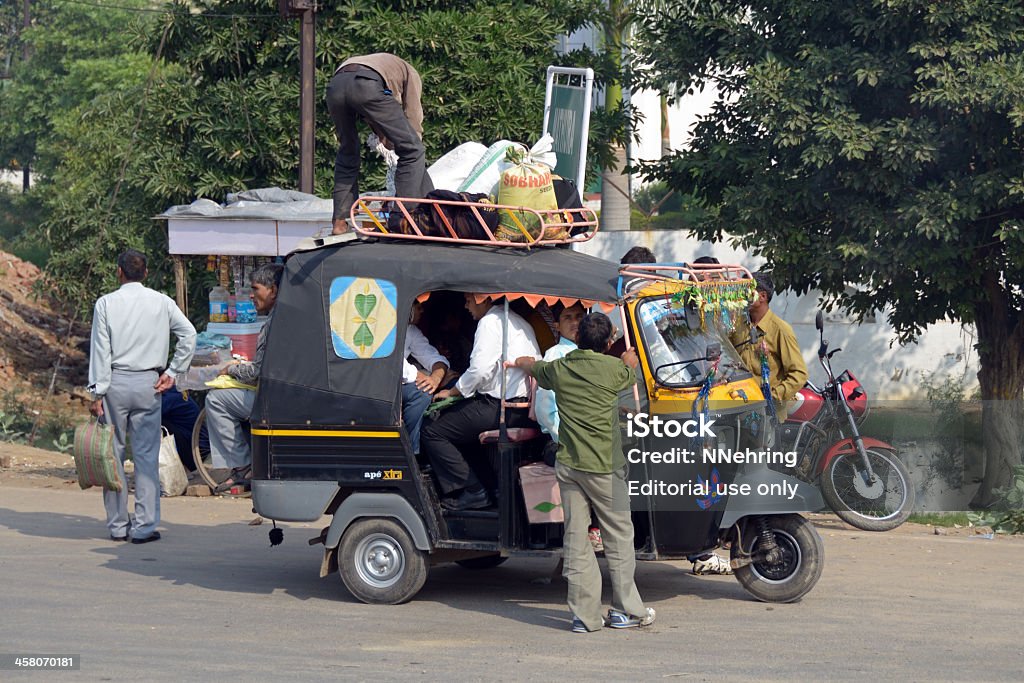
x: 128, y: 348
x: 418, y: 387
x: 461, y: 424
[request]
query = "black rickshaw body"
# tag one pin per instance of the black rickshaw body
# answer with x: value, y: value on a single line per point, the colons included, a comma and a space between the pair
x: 326, y: 429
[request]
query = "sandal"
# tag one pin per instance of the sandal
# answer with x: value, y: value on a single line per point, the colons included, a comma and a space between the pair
x: 239, y: 476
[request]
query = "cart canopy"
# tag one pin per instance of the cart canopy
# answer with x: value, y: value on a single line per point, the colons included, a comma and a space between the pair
x: 334, y: 346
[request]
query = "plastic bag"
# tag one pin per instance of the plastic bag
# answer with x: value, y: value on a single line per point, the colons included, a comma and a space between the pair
x: 486, y: 174
x: 450, y: 171
x: 173, y: 478
x: 94, y: 456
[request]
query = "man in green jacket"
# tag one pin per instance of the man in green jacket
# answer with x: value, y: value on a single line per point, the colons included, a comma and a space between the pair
x: 591, y: 473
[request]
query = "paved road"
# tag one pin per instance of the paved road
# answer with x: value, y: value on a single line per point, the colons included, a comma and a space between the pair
x: 212, y: 599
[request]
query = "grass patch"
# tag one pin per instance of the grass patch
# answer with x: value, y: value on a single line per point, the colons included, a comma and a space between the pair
x: 941, y: 519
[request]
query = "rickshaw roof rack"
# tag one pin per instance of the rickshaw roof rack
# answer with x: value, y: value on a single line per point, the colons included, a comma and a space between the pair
x: 636, y: 275
x: 464, y: 222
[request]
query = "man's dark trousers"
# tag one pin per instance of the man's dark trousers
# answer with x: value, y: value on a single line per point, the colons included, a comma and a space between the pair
x: 352, y: 95
x: 460, y: 425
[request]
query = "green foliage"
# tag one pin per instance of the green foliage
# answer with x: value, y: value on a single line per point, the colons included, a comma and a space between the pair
x: 1007, y: 516
x: 657, y: 207
x: 76, y: 53
x: 945, y: 519
x: 876, y: 142
x: 872, y: 142
x: 219, y: 111
x: 20, y: 213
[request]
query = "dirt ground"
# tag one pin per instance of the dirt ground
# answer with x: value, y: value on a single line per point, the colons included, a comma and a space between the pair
x: 26, y: 467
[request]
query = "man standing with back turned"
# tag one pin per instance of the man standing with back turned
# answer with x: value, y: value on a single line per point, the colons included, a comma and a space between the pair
x: 383, y: 90
x: 131, y: 330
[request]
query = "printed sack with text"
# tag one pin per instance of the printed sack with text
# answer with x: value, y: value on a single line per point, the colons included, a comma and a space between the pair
x: 526, y: 181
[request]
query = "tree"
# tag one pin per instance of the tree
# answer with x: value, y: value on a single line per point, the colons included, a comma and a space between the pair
x: 77, y: 51
x: 875, y: 143
x: 615, y: 206
x: 218, y: 111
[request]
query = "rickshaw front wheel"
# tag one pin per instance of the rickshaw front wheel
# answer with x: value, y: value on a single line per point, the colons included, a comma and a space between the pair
x: 793, y: 571
x: 379, y: 563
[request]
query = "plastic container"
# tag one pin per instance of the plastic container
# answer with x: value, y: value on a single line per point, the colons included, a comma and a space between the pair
x: 219, y: 298
x: 245, y: 309
x: 232, y: 311
x: 244, y: 336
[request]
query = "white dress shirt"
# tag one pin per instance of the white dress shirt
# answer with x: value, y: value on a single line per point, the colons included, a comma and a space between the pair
x: 131, y: 330
x: 544, y: 401
x: 417, y: 346
x: 484, y: 373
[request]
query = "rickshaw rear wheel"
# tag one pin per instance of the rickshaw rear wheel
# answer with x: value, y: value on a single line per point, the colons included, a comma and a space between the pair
x: 379, y: 563
x: 485, y: 562
x: 798, y: 568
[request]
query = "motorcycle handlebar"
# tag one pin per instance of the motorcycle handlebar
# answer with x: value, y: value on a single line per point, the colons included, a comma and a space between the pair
x: 823, y: 349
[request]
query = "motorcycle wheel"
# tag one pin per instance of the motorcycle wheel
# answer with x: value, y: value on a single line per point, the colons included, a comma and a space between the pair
x: 798, y: 570
x: 879, y: 506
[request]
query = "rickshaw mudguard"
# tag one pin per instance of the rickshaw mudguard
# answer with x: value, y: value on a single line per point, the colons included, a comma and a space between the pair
x: 807, y: 497
x: 292, y: 501
x: 377, y: 505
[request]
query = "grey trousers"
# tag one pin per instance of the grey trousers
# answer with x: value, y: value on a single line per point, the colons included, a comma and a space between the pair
x: 226, y: 410
x: 608, y: 497
x: 132, y: 408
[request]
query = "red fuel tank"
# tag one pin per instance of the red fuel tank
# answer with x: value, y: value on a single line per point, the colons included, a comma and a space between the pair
x: 805, y: 406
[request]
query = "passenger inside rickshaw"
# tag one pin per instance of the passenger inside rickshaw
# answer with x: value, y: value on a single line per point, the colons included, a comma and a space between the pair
x: 453, y: 331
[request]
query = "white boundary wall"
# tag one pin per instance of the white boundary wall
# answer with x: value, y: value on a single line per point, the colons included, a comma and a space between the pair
x: 888, y: 370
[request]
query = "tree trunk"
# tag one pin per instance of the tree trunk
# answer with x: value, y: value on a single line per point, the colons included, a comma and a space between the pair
x: 666, y: 131
x: 615, y: 195
x: 1001, y: 356
x: 614, y: 182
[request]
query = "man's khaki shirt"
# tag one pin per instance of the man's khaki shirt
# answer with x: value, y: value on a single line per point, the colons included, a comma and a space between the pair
x: 401, y: 79
x: 787, y: 372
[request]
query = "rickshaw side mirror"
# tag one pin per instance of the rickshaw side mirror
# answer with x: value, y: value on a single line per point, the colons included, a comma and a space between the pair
x: 713, y: 352
x: 819, y: 322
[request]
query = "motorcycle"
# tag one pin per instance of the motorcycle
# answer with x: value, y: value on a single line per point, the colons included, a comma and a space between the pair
x: 861, y: 478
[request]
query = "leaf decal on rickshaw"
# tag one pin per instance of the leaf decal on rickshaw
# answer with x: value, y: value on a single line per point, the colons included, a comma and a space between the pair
x: 363, y: 317
x: 363, y: 337
x: 365, y: 303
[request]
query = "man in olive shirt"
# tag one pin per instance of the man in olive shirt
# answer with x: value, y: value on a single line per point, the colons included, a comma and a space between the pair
x: 787, y: 372
x: 383, y: 90
x: 591, y: 472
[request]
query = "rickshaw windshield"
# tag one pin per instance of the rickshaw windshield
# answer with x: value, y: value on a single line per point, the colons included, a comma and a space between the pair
x: 681, y: 350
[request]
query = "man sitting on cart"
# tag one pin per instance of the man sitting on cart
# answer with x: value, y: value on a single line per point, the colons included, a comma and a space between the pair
x: 227, y: 409
x: 460, y: 425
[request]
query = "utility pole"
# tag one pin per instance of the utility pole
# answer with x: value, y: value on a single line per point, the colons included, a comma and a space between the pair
x: 26, y: 23
x: 305, y: 10
x: 26, y: 172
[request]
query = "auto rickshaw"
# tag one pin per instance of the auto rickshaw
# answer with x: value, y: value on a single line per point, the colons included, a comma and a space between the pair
x: 327, y: 437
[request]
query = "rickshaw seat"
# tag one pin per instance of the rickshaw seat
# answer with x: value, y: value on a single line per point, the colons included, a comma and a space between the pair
x: 515, y: 435
x: 518, y: 434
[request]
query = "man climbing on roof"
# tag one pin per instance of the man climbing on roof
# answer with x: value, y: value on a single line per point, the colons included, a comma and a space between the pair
x: 383, y: 90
